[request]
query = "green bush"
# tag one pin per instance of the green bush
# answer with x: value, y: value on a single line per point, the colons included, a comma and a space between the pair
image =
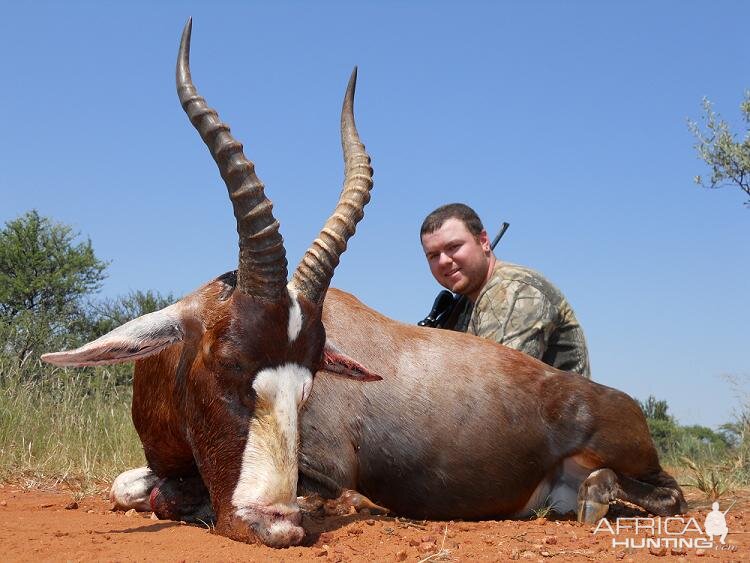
x: 61, y: 424
x: 674, y: 441
x: 713, y: 462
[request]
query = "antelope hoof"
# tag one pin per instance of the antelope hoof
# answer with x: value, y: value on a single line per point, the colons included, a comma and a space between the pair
x: 590, y: 511
x: 360, y: 502
x: 351, y: 501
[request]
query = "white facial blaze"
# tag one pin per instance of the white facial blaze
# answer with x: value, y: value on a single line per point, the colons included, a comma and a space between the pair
x: 295, y: 317
x: 268, y: 476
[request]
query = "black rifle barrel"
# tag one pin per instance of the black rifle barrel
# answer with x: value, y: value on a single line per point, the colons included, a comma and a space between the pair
x: 499, y: 235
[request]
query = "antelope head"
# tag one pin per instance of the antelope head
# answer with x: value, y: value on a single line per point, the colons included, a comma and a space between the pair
x: 242, y: 350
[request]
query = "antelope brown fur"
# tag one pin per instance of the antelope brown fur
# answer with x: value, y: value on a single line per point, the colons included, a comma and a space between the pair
x: 462, y: 427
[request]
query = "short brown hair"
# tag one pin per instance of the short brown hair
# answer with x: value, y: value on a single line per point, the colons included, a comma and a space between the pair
x: 459, y: 211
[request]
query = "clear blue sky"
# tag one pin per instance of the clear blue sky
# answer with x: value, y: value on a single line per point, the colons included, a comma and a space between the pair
x: 567, y: 119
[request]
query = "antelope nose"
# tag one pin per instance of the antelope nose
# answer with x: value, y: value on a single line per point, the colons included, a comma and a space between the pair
x: 283, y: 532
x: 274, y: 526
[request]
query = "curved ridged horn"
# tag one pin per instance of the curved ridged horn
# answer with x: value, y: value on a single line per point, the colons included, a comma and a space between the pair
x: 315, y: 270
x: 262, y: 263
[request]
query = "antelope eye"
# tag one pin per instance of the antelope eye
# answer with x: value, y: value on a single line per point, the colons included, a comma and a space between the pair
x: 232, y: 366
x: 225, y: 355
x: 237, y: 364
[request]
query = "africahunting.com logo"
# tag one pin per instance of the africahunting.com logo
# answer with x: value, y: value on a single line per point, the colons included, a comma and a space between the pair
x: 674, y: 532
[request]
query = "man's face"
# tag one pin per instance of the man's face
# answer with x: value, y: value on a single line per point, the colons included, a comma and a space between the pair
x: 458, y: 260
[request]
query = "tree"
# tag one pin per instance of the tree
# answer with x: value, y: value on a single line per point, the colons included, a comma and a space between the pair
x: 675, y: 441
x: 728, y: 158
x: 41, y: 270
x: 654, y: 409
x: 44, y: 280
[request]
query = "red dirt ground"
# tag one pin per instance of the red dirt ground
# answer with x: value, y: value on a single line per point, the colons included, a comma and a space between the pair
x: 45, y: 525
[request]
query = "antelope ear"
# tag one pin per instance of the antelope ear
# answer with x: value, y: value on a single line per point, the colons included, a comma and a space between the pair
x: 136, y: 339
x: 338, y: 363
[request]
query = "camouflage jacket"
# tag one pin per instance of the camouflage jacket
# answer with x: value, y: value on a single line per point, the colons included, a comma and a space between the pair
x: 519, y: 308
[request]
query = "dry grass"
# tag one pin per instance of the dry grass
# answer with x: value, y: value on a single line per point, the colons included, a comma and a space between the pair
x: 714, y: 480
x: 64, y: 425
x: 442, y: 554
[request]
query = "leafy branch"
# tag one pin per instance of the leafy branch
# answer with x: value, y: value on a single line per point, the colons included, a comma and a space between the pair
x: 727, y: 157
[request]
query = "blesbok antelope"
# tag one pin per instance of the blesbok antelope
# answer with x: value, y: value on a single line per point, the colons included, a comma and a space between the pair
x: 459, y: 427
x: 221, y: 374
